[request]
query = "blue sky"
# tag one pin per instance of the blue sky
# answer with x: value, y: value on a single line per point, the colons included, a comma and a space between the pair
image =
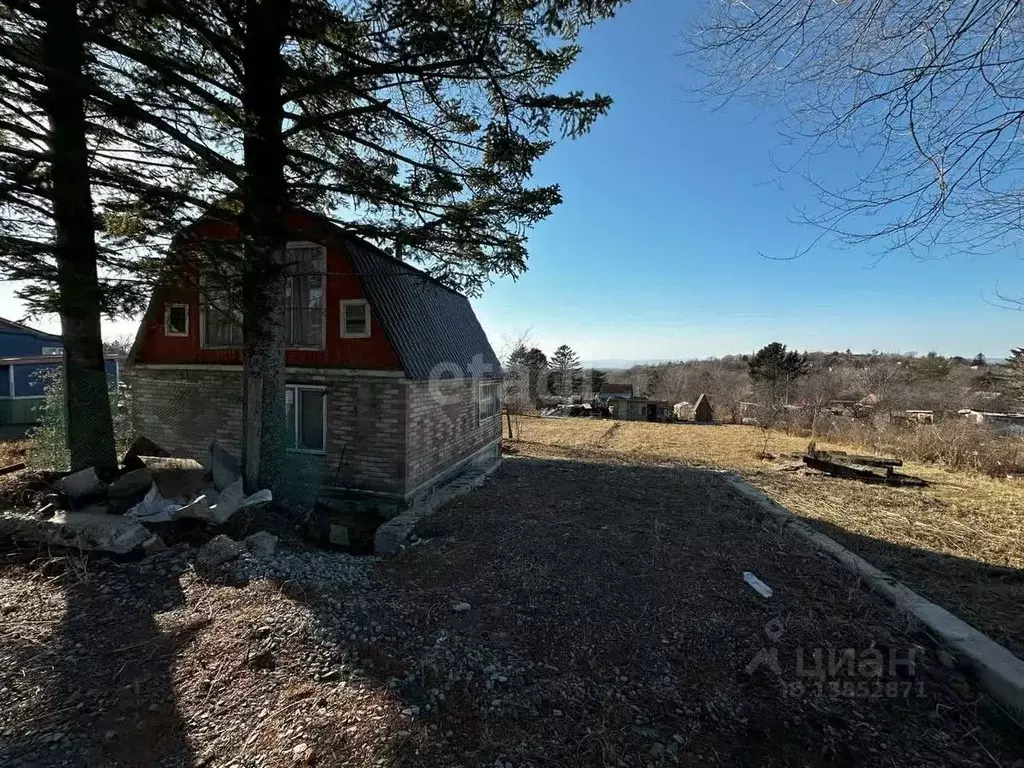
x: 655, y: 252
x: 668, y: 203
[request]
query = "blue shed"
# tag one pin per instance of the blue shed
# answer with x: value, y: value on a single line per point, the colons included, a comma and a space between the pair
x: 25, y: 355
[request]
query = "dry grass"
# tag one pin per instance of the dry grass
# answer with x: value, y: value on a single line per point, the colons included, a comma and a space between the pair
x: 957, y: 541
x: 12, y: 451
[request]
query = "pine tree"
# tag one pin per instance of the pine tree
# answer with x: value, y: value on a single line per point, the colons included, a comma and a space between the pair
x: 566, y: 371
x: 47, y: 228
x: 80, y: 203
x: 413, y: 124
x: 773, y: 369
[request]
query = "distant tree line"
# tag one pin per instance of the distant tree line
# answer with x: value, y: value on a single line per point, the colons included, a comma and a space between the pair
x: 776, y: 377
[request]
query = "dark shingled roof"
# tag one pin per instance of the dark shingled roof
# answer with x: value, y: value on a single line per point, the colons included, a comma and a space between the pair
x: 432, y: 328
x: 617, y: 389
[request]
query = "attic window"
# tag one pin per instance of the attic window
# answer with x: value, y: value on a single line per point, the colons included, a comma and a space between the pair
x: 221, y: 322
x: 304, y: 296
x: 355, y: 319
x: 176, y: 320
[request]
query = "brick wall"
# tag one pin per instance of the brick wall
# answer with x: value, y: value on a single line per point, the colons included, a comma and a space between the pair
x: 183, y: 410
x: 384, y: 434
x: 366, y: 420
x: 443, y: 427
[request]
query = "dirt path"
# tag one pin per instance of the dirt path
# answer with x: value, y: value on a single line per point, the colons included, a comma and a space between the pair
x: 570, y: 613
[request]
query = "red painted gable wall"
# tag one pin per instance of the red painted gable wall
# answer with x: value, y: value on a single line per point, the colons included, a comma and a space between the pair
x: 374, y: 352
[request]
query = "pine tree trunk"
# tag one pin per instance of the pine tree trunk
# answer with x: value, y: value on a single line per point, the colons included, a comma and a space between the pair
x: 264, y: 196
x: 90, y: 431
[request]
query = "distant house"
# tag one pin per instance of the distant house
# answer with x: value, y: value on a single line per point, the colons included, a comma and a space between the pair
x: 26, y: 354
x: 921, y: 416
x: 683, y: 411
x: 629, y: 408
x: 391, y: 385
x: 1003, y: 423
x: 610, y: 392
x: 702, y: 411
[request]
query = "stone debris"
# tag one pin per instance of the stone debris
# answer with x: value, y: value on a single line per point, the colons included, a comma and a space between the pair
x: 182, y: 488
x: 82, y: 487
x: 261, y: 544
x: 222, y: 466
x: 461, y: 607
x: 218, y: 550
x: 142, y: 446
x: 154, y: 545
x: 307, y: 568
x: 129, y: 489
x: 86, y: 530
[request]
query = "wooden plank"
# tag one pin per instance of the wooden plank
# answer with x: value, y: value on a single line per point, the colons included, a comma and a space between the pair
x: 841, y: 470
x: 856, y: 458
x: 12, y: 468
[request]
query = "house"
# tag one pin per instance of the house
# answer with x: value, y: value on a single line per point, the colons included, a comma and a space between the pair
x: 1011, y: 424
x: 610, y: 392
x: 682, y: 411
x: 26, y: 357
x: 629, y: 408
x: 657, y: 410
x: 702, y: 411
x: 391, y: 384
x: 920, y: 415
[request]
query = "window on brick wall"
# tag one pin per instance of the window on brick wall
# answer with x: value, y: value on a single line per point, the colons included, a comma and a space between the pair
x: 304, y: 296
x: 306, y: 414
x: 489, y: 405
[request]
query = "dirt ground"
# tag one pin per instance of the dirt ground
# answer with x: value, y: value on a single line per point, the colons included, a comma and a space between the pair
x: 958, y: 542
x: 571, y: 612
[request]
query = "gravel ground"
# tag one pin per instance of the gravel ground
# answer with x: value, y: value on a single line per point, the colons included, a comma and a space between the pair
x: 568, y: 613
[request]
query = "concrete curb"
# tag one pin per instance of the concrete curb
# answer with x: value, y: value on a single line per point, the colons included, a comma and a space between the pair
x: 999, y: 671
x: 392, y: 535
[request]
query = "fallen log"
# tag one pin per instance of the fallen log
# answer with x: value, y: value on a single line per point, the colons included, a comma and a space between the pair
x: 12, y: 468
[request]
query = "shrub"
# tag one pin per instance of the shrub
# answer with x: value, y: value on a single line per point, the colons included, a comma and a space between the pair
x: 954, y: 443
x: 47, y: 442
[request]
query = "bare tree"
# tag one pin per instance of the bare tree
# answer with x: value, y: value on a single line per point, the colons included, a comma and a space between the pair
x: 929, y: 93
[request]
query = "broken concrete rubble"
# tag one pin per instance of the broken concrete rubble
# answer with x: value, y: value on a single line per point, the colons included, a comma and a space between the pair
x: 222, y: 466
x: 176, y: 478
x: 129, y: 489
x: 181, y: 489
x: 86, y: 530
x: 219, y: 550
x: 82, y: 487
x: 261, y: 544
x: 142, y: 446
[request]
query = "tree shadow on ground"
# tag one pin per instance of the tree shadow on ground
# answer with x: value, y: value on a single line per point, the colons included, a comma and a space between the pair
x: 108, y: 697
x: 570, y: 612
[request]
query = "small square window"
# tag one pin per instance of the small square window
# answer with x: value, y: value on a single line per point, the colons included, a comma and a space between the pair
x: 176, y: 320
x: 355, y: 319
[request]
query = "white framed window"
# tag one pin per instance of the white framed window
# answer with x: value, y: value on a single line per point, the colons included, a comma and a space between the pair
x: 49, y: 351
x: 304, y: 293
x: 306, y: 414
x: 489, y: 403
x: 220, y: 322
x: 355, y: 319
x: 176, y: 320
